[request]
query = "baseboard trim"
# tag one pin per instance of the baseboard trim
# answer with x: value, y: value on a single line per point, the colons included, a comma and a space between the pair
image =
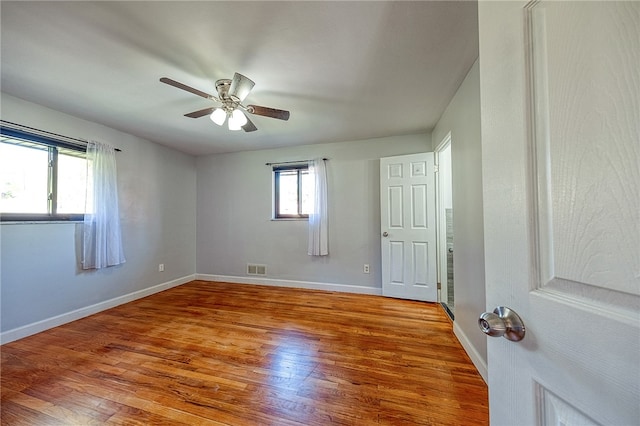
x: 480, y: 364
x: 343, y: 288
x: 46, y: 324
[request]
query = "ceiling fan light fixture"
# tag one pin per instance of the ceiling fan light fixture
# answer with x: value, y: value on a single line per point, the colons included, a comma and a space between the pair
x: 231, y: 93
x: 218, y: 116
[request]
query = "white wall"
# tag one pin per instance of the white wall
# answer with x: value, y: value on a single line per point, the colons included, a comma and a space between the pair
x: 445, y: 173
x: 462, y: 119
x: 40, y: 278
x: 234, y: 215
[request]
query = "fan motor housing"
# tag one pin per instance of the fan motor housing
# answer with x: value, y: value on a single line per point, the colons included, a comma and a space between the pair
x: 222, y: 86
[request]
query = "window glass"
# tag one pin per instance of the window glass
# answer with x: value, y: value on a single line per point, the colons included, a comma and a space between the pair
x: 288, y: 199
x: 293, y: 192
x: 40, y: 178
x: 24, y: 174
x: 72, y: 183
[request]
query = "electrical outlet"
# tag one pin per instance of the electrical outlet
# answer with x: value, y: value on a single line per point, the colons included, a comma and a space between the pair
x: 161, y: 267
x: 365, y: 268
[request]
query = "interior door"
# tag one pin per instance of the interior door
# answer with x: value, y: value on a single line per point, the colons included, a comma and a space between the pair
x: 561, y: 159
x: 407, y: 203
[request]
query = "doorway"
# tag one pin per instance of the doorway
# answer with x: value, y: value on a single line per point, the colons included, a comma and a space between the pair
x: 445, y: 225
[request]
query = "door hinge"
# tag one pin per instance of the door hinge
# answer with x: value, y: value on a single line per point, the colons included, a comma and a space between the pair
x: 436, y: 169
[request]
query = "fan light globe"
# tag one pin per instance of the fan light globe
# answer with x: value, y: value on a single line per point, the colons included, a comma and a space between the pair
x: 238, y: 118
x: 218, y: 116
x: 233, y: 125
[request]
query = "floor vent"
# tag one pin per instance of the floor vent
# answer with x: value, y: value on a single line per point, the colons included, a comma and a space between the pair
x: 253, y: 269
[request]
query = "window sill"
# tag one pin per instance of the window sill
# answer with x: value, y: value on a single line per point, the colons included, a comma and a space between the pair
x: 40, y: 222
x: 289, y: 219
x: 41, y: 217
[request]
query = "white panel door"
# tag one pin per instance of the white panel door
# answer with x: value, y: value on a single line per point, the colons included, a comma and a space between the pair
x: 407, y: 202
x: 560, y: 98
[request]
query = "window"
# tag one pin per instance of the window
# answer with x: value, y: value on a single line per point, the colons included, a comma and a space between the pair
x: 292, y: 189
x: 41, y: 178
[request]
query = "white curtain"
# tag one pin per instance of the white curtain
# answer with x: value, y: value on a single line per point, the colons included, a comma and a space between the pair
x: 102, y: 236
x: 318, y: 231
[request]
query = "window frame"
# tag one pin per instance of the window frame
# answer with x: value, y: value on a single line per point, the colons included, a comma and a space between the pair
x: 52, y: 146
x: 298, y: 167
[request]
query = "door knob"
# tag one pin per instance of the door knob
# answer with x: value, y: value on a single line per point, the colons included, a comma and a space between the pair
x: 502, y: 322
x: 385, y: 234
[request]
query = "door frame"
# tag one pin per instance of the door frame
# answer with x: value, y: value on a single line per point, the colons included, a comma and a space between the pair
x: 441, y: 221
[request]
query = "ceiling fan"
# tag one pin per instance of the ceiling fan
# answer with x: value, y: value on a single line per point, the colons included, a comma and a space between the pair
x: 231, y: 93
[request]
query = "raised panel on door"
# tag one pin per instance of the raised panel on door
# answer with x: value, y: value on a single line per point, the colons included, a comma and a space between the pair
x: 395, y: 170
x: 396, y: 207
x: 556, y: 411
x: 420, y: 252
x: 397, y: 262
x: 418, y: 168
x: 588, y: 176
x: 419, y: 205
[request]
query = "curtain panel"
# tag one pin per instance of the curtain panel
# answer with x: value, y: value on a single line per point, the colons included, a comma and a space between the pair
x: 318, y: 224
x: 102, y: 236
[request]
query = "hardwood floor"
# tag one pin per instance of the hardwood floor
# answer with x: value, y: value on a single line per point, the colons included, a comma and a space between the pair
x: 219, y: 353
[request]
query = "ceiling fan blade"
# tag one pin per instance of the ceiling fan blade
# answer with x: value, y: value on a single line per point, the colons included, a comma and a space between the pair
x: 280, y: 114
x: 189, y: 89
x: 201, y: 113
x: 249, y: 127
x: 240, y: 87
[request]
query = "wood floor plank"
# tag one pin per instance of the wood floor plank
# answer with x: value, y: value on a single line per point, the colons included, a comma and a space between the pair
x: 209, y: 353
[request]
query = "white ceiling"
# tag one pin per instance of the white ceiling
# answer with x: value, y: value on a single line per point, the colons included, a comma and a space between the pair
x: 345, y: 70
